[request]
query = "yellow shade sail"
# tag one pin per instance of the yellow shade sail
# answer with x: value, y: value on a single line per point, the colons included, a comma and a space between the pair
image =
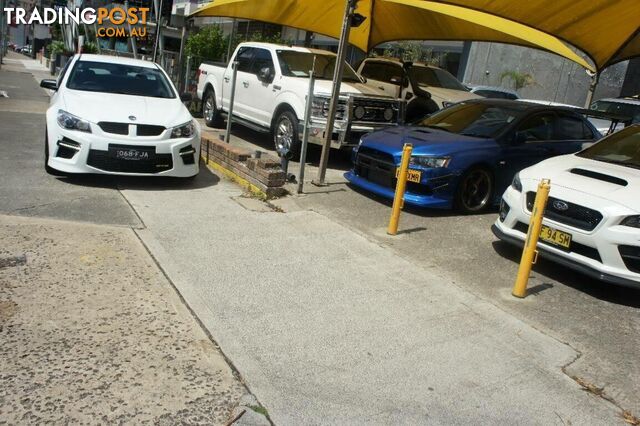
x: 608, y: 31
x: 391, y: 20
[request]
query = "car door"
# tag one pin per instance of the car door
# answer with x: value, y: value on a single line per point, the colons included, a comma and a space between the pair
x: 244, y: 56
x: 529, y: 142
x: 257, y: 95
x: 572, y: 133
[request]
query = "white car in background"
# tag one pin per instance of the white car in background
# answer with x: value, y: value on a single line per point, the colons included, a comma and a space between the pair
x: 592, y: 219
x: 626, y: 107
x: 119, y: 116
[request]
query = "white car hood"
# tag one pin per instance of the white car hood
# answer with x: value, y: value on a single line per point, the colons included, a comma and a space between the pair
x: 323, y: 87
x: 96, y: 107
x: 559, y: 171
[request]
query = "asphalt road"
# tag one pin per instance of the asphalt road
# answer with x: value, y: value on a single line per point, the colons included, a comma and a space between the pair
x: 600, y: 321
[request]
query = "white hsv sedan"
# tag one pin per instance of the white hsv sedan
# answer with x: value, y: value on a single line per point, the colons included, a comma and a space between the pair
x: 118, y: 116
x: 592, y: 220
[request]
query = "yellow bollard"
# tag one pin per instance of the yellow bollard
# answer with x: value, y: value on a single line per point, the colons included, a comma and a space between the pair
x: 529, y: 255
x: 398, y: 200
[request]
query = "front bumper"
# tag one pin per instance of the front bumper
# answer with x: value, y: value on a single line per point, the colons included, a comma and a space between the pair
x: 78, y: 152
x: 594, y: 253
x: 437, y: 200
x: 343, y: 136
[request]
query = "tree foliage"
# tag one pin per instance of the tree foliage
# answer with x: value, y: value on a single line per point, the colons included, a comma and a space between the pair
x: 207, y: 44
x: 518, y: 79
x: 414, y: 51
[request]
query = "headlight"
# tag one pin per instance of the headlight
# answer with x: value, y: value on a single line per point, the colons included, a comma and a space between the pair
x: 71, y: 122
x: 631, y: 221
x: 388, y: 114
x: 430, y: 162
x: 359, y: 112
x: 320, y: 108
x: 446, y: 104
x: 516, y: 184
x: 185, y: 130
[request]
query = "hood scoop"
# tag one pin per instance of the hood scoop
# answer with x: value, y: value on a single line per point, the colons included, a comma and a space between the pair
x: 600, y: 176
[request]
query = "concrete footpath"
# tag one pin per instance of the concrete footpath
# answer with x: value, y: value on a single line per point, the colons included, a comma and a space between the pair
x: 92, y: 332
x: 328, y: 327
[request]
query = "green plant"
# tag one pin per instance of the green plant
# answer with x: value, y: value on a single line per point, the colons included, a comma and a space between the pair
x: 207, y: 44
x: 518, y: 79
x: 89, y: 47
x: 414, y: 51
x: 57, y: 47
x: 257, y: 36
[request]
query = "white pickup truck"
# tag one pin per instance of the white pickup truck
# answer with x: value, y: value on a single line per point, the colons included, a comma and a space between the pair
x: 271, y: 88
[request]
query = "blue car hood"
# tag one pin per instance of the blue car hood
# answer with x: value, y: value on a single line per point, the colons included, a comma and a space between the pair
x: 425, y: 141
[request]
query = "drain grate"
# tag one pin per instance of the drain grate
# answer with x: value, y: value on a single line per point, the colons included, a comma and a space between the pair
x: 7, y: 262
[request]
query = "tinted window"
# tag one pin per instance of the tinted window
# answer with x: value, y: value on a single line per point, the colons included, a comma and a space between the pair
x: 261, y: 59
x: 381, y: 71
x: 572, y: 128
x: 625, y: 109
x: 473, y: 119
x: 119, y: 78
x: 298, y: 64
x: 538, y: 128
x: 244, y: 57
x: 436, y: 77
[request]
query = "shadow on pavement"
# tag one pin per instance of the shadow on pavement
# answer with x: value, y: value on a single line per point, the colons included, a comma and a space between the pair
x: 600, y: 290
x: 204, y: 179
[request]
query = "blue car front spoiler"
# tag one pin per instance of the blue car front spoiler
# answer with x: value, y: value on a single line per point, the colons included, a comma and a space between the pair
x: 429, y: 201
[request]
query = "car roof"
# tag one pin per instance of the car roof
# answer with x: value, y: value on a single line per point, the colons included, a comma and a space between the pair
x: 629, y: 100
x: 116, y: 60
x: 287, y: 48
x: 400, y: 62
x: 524, y: 105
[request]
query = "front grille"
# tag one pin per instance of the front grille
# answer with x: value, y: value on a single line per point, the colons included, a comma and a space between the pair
x: 575, y: 215
x: 577, y: 248
x: 150, y: 130
x: 103, y: 161
x: 630, y: 257
x: 115, y: 128
x: 374, y: 110
x: 376, y: 166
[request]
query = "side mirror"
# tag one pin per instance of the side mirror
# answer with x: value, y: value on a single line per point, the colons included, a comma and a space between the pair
x: 49, y: 84
x: 265, y: 75
x: 186, y: 97
x: 519, y: 138
x: 396, y: 80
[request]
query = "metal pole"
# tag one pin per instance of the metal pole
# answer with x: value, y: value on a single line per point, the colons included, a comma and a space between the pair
x: 158, y: 25
x: 134, y: 44
x: 234, y: 66
x: 592, y: 88
x: 231, y: 36
x: 187, y: 73
x: 95, y: 27
x: 335, y: 93
x: 398, y: 199
x: 307, y: 119
x: 3, y: 33
x: 181, y: 68
x: 529, y: 254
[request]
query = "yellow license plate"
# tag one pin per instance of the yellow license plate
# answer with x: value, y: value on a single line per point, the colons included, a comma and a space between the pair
x: 555, y: 237
x: 412, y: 175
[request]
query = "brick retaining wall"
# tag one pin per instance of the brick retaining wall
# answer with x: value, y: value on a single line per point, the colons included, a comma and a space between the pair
x: 262, y: 176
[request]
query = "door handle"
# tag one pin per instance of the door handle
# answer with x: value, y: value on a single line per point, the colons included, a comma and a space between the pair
x: 380, y: 87
x: 226, y: 79
x: 245, y: 84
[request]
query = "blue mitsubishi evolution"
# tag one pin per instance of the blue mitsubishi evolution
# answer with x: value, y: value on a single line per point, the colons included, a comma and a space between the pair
x: 465, y: 156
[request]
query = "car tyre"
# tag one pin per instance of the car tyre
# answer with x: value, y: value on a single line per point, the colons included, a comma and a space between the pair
x: 210, y: 112
x: 286, y: 137
x: 50, y: 170
x: 475, y: 191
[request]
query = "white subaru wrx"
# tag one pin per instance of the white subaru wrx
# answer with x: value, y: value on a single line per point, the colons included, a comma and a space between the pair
x: 592, y: 220
x: 119, y: 116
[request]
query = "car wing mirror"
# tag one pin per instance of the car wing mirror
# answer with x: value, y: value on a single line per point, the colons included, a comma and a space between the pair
x: 49, y: 84
x: 519, y: 138
x: 396, y: 80
x: 265, y: 75
x: 186, y: 97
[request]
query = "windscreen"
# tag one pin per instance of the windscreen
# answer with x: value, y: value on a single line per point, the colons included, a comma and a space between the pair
x: 298, y: 64
x: 622, y: 148
x: 619, y: 108
x: 482, y: 120
x: 435, y: 77
x: 120, y: 79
